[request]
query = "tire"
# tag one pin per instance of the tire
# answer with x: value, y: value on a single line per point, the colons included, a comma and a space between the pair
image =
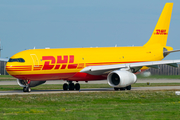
x: 122, y: 88
x: 77, y: 86
x: 24, y: 89
x: 128, y: 87
x: 28, y: 89
x: 71, y: 86
x: 115, y: 88
x: 65, y: 86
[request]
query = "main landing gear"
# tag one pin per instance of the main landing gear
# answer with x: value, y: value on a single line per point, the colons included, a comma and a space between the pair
x: 27, y: 87
x: 71, y: 86
x: 123, y: 88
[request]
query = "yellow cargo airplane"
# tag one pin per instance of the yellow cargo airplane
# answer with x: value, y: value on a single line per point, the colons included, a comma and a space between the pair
x: 116, y: 64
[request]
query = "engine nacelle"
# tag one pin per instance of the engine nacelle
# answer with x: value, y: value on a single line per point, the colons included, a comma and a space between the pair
x: 23, y: 83
x: 121, y: 78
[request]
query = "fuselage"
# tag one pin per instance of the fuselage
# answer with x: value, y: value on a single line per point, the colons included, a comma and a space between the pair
x: 66, y: 64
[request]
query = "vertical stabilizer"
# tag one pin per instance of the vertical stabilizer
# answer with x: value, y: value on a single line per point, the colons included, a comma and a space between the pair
x: 160, y: 33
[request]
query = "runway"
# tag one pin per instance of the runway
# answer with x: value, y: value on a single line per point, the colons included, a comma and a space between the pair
x: 99, y: 82
x: 20, y: 92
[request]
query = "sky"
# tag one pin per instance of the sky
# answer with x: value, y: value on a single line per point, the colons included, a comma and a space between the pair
x: 25, y: 24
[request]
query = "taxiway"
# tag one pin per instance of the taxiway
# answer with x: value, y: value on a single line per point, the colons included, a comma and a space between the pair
x: 20, y: 92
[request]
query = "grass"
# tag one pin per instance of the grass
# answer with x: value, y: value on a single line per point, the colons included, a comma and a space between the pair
x: 136, y: 105
x: 60, y: 86
x: 7, y: 78
x: 113, y: 105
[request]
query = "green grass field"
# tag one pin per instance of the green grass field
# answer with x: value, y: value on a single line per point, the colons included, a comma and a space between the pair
x: 112, y: 105
x: 116, y: 105
x: 6, y: 78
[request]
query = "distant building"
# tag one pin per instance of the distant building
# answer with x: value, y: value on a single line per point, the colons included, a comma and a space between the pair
x: 3, y: 68
x: 165, y: 70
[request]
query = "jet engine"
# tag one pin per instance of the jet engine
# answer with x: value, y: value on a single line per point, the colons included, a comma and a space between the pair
x: 23, y: 83
x: 121, y: 78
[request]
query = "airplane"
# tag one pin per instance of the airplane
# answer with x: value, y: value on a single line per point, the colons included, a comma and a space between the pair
x: 118, y: 65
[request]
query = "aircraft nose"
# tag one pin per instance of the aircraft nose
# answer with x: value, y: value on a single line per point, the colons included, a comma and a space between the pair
x: 9, y: 67
x: 13, y: 68
x: 16, y: 65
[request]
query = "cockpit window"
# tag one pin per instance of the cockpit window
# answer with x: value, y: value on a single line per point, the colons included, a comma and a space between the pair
x: 16, y: 60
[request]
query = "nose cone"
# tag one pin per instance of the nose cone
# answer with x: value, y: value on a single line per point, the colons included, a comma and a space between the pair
x: 20, y: 64
x: 15, y: 66
x: 10, y: 68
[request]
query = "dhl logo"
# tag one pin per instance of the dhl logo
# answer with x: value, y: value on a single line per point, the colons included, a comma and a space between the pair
x: 61, y: 62
x: 160, y: 32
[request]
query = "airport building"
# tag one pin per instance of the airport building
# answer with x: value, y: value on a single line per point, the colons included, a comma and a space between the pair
x: 165, y: 70
x: 3, y: 68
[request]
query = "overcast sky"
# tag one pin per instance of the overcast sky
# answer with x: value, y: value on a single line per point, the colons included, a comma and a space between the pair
x: 25, y: 24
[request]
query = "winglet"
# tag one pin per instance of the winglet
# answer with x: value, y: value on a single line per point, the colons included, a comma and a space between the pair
x: 160, y: 33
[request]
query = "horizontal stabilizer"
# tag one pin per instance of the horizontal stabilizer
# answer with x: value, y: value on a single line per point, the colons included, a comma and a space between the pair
x: 171, y: 51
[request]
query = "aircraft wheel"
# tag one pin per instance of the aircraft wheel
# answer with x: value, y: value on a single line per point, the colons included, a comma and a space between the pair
x: 128, y: 87
x: 24, y: 89
x: 71, y: 86
x: 77, y: 86
x: 122, y: 88
x: 29, y: 89
x: 65, y: 86
x: 115, y: 88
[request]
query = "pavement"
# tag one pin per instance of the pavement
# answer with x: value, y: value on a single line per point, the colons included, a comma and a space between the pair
x: 99, y: 81
x: 20, y: 92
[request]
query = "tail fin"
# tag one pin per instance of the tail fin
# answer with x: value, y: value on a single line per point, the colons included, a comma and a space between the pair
x: 160, y: 33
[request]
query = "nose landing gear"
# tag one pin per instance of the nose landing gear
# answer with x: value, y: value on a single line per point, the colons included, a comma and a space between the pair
x: 27, y: 88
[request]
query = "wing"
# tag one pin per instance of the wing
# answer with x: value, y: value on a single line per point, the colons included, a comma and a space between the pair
x: 4, y: 59
x: 98, y: 70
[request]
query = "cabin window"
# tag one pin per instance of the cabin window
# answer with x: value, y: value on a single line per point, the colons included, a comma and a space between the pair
x: 16, y: 60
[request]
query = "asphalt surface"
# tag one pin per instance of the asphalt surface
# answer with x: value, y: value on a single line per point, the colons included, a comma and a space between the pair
x: 20, y: 92
x: 99, y: 82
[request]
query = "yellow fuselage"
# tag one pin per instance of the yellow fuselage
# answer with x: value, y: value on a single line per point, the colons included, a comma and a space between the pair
x: 57, y: 64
